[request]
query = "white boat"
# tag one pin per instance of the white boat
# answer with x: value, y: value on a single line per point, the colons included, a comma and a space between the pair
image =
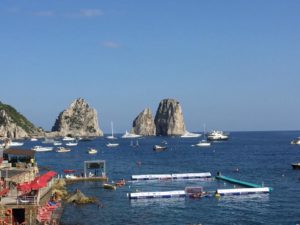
x: 203, y: 142
x: 70, y: 176
x: 33, y: 139
x: 190, y: 135
x: 71, y: 144
x: 62, y: 149
x: 217, y: 135
x: 111, y: 145
x: 42, y: 149
x: 296, y: 141
x: 92, y: 151
x: 112, y: 132
x: 130, y: 135
x: 68, y: 139
x: 14, y: 144
x: 159, y: 148
x: 57, y: 143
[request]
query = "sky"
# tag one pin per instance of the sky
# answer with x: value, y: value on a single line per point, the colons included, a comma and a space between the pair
x: 233, y: 65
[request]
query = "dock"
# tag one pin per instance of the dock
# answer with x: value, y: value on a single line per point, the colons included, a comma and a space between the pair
x: 171, y: 176
x: 243, y: 191
x: 82, y: 179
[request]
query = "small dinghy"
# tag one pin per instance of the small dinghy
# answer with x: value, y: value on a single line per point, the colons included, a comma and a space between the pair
x: 159, y: 148
x: 109, y: 186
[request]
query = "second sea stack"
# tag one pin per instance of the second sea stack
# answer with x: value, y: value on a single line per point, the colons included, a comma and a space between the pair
x: 169, y: 118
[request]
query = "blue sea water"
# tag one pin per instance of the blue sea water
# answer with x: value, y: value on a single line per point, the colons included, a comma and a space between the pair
x: 262, y: 157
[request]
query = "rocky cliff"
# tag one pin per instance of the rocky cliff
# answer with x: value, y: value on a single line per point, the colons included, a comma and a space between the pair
x: 14, y: 125
x: 78, y: 120
x: 169, y: 118
x: 143, y: 124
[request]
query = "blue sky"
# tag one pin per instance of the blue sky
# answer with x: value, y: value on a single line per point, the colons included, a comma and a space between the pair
x: 233, y: 65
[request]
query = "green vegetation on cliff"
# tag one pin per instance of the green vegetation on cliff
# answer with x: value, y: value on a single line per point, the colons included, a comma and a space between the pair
x: 17, y: 118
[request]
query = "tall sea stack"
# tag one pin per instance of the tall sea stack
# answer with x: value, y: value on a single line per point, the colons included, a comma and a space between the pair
x: 78, y: 120
x: 14, y: 125
x: 143, y: 124
x: 169, y: 118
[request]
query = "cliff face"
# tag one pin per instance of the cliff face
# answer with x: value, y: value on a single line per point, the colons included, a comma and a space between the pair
x: 78, y: 120
x: 143, y: 124
x: 169, y: 118
x: 14, y: 125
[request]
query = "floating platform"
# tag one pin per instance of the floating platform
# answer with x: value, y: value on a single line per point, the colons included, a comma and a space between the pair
x: 239, y: 182
x: 243, y: 191
x: 171, y: 176
x: 161, y: 194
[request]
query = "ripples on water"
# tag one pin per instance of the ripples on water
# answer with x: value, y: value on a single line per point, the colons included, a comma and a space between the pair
x: 262, y: 157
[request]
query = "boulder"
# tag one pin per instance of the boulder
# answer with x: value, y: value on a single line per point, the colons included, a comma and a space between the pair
x: 143, y: 124
x: 169, y: 118
x: 78, y: 120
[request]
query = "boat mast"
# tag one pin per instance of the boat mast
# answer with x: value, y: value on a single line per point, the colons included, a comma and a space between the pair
x: 112, y: 128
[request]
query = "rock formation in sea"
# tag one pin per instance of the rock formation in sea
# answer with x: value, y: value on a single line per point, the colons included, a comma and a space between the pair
x: 143, y: 124
x: 78, y: 120
x: 14, y: 125
x: 169, y: 118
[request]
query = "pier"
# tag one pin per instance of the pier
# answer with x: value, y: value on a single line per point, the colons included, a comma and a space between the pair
x: 171, y: 176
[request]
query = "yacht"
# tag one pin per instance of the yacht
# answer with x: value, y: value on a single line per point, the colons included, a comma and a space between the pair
x: 111, y: 145
x: 112, y: 132
x: 203, y: 143
x: 296, y: 141
x: 190, y: 135
x: 217, y: 135
x: 130, y: 135
x: 42, y: 149
x: 14, y: 144
x: 33, y: 139
x: 71, y: 144
x: 92, y: 151
x: 159, y: 148
x: 57, y: 143
x: 62, y: 149
x: 68, y: 139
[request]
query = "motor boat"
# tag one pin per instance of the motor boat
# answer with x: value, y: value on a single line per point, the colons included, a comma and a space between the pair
x: 68, y: 139
x: 190, y: 135
x: 296, y: 141
x: 70, y: 176
x: 159, y: 148
x: 217, y: 135
x: 62, y: 149
x: 71, y: 144
x: 296, y: 165
x: 33, y: 139
x: 203, y: 143
x: 48, y: 141
x: 130, y: 135
x: 42, y: 149
x: 92, y: 151
x: 111, y: 145
x: 57, y: 143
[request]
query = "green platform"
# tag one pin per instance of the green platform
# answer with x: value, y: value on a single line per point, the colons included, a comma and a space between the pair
x: 239, y: 182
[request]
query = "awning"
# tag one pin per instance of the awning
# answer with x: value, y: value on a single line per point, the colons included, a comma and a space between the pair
x: 38, y: 182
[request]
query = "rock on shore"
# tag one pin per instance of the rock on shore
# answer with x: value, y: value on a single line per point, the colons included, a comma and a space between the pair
x: 169, y: 118
x: 78, y: 120
x: 14, y: 125
x: 143, y: 124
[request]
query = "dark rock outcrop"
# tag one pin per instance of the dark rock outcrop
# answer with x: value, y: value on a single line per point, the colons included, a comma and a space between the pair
x: 143, y: 124
x: 78, y: 120
x: 169, y: 118
x: 14, y: 125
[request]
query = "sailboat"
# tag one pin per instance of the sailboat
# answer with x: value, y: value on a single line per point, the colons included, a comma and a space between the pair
x: 203, y: 142
x: 112, y: 132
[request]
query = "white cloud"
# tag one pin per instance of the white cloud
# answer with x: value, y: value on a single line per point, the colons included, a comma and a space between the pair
x: 111, y: 44
x: 88, y: 13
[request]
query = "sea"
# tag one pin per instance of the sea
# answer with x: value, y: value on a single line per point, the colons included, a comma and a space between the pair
x: 257, y: 157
